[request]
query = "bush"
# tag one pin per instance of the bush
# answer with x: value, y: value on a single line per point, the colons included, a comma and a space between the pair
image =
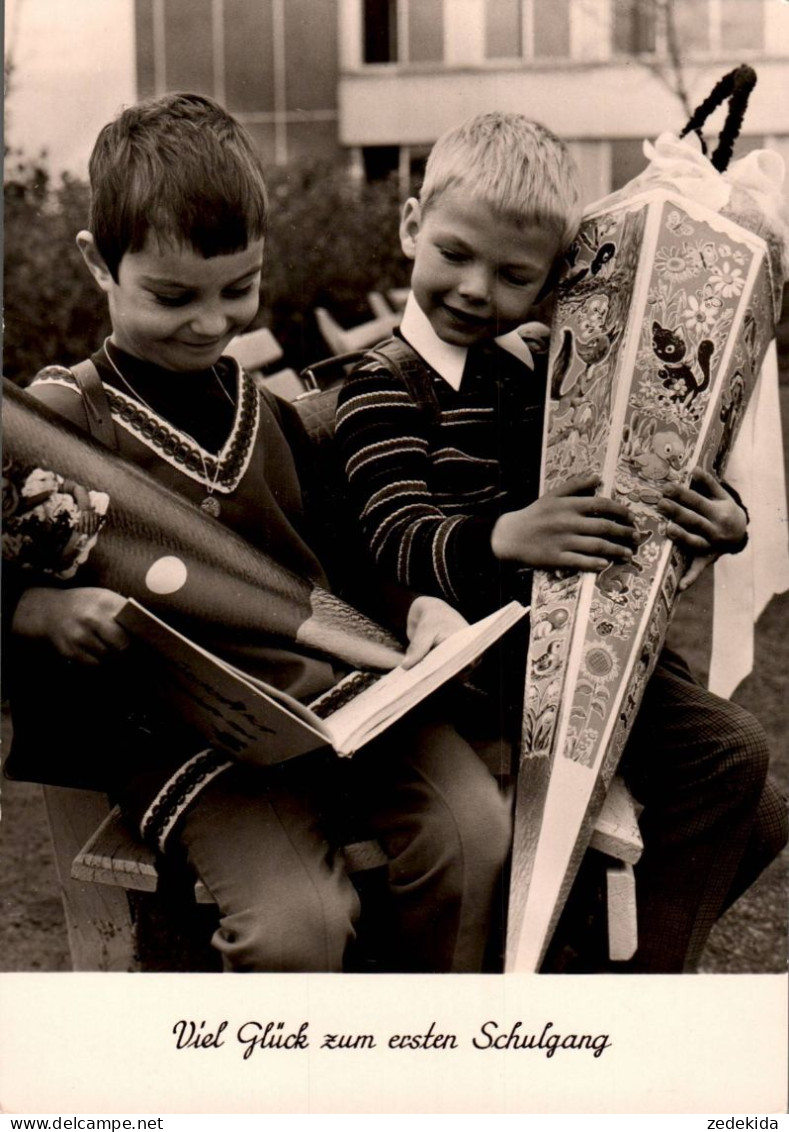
x: 53, y: 310
x: 331, y: 240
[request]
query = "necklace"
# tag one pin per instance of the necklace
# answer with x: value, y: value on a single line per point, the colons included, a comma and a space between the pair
x: 210, y: 504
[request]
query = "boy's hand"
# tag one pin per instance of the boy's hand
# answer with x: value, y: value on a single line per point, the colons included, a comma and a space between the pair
x: 705, y: 519
x: 80, y: 624
x: 568, y: 529
x: 430, y: 621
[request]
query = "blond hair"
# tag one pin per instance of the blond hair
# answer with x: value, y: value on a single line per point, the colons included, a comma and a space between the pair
x: 513, y: 164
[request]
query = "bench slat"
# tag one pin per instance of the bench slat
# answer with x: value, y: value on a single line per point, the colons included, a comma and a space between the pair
x: 98, y: 921
x: 616, y: 830
x: 621, y: 907
x: 255, y: 350
x: 113, y: 856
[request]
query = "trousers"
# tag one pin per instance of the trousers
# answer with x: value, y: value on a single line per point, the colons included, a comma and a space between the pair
x: 712, y: 819
x: 265, y: 843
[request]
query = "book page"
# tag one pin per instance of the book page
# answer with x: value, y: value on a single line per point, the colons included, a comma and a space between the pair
x: 261, y: 724
x: 377, y: 707
x: 245, y: 717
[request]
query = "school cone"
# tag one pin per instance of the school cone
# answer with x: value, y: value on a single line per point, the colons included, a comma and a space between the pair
x: 234, y: 599
x: 662, y: 322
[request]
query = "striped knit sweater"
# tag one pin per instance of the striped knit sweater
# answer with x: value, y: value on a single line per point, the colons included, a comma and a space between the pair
x: 428, y: 492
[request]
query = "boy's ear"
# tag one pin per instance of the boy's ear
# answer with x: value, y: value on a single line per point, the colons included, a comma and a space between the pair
x: 410, y: 224
x: 94, y: 261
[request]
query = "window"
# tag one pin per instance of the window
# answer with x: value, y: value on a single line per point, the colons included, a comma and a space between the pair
x: 189, y: 63
x: 406, y: 162
x: 700, y: 26
x: 309, y: 32
x: 417, y: 160
x: 538, y: 29
x: 249, y: 55
x: 145, y: 49
x: 380, y: 31
x: 503, y: 26
x: 425, y: 20
x: 627, y: 161
x: 741, y: 24
x: 403, y: 31
x: 551, y: 21
x: 380, y: 161
x: 691, y: 25
x: 634, y: 27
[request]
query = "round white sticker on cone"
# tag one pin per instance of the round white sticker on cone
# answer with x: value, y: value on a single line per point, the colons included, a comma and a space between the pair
x: 166, y: 575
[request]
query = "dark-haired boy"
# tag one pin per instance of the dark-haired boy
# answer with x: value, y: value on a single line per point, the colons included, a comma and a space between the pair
x: 175, y: 241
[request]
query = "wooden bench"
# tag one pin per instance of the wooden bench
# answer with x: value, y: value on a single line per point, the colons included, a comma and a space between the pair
x: 398, y: 297
x: 100, y: 864
x: 341, y: 341
x: 379, y: 305
x: 257, y: 351
x: 112, y: 855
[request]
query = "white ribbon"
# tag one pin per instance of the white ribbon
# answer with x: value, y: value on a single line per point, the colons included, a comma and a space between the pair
x: 680, y: 165
x: 752, y: 182
x: 744, y: 583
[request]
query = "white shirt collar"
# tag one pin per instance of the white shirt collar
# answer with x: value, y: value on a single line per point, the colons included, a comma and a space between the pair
x: 449, y: 361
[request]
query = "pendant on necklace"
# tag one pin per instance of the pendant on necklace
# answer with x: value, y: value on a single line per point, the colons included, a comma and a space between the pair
x: 211, y: 506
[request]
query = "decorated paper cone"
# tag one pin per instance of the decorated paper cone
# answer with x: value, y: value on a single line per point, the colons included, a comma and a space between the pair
x: 665, y: 311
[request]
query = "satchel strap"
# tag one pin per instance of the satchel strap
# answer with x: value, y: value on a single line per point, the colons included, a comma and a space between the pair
x: 317, y: 407
x: 97, y: 407
x: 412, y: 371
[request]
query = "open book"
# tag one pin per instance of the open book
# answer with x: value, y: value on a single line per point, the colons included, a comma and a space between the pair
x: 260, y: 724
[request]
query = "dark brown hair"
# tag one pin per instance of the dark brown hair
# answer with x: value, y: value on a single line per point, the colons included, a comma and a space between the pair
x: 178, y: 167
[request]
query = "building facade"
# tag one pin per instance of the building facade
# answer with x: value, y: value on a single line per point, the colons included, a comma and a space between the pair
x: 273, y: 63
x: 376, y: 81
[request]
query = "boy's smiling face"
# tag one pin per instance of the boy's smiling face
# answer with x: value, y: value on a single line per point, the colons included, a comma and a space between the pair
x: 175, y: 308
x: 476, y: 274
